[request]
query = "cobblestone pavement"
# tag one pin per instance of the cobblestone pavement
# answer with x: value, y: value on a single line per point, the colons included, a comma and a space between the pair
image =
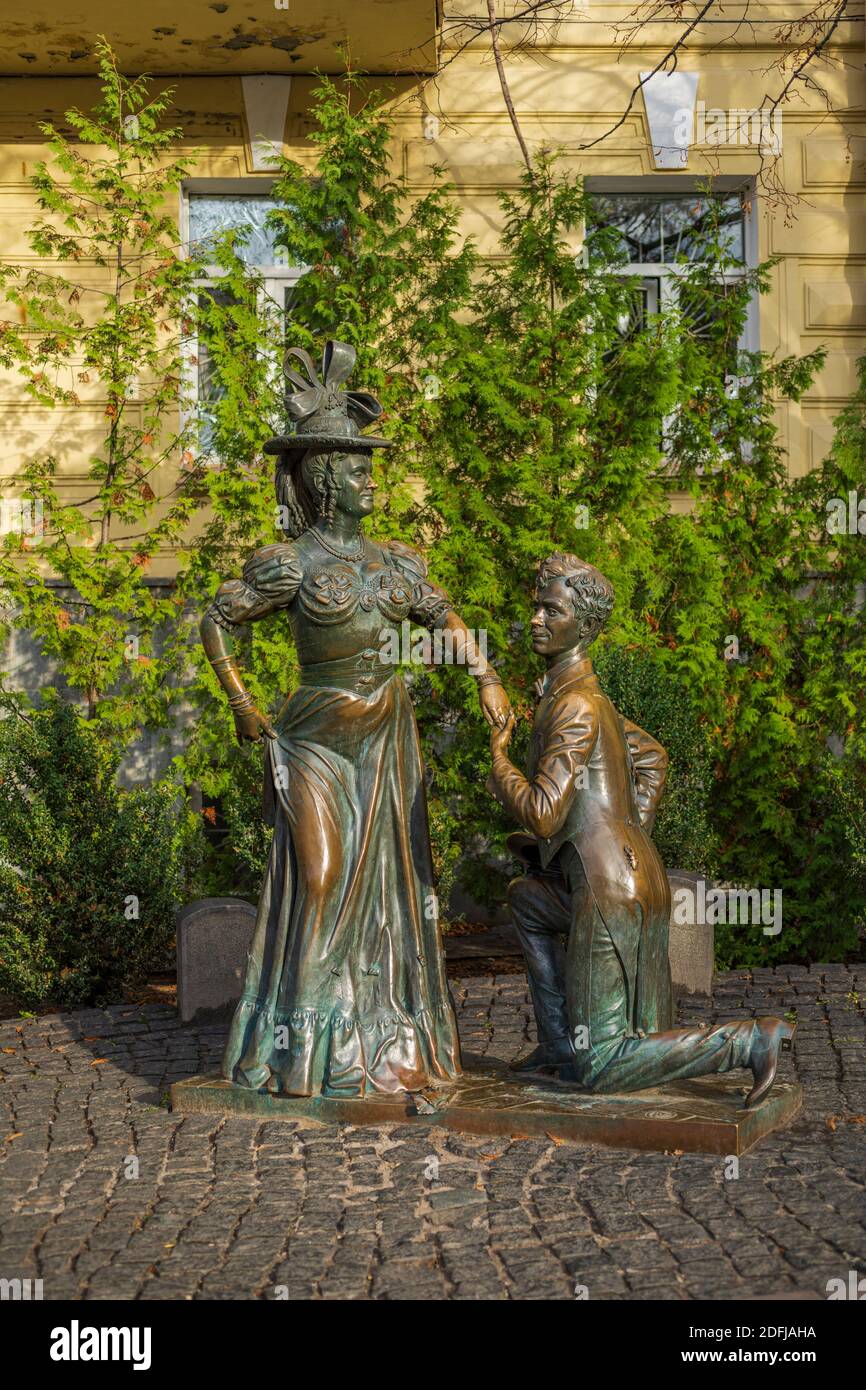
x: 105, y: 1194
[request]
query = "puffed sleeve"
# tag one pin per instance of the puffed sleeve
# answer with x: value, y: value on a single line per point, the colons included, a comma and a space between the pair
x: 430, y: 604
x: 271, y: 578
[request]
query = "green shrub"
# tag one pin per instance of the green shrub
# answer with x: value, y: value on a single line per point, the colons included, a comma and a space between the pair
x: 248, y: 836
x: 89, y: 874
x: 445, y: 846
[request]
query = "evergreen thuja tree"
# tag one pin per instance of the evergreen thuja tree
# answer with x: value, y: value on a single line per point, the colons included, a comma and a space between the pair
x: 550, y: 436
x: 105, y: 351
x: 831, y: 664
x: 568, y: 430
x: 760, y: 617
x: 832, y: 499
x: 387, y: 273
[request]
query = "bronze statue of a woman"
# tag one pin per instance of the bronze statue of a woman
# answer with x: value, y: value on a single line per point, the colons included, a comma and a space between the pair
x: 345, y: 991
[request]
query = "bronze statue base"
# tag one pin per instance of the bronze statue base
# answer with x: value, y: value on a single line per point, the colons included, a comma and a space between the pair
x: 704, y: 1115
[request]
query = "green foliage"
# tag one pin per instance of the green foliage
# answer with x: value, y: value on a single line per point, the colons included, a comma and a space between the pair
x: 248, y: 835
x: 557, y: 409
x: 446, y: 847
x: 535, y: 409
x: 110, y: 347
x: 118, y: 641
x: 388, y: 273
x: 754, y: 561
x: 89, y: 875
x: 553, y: 426
x: 547, y: 427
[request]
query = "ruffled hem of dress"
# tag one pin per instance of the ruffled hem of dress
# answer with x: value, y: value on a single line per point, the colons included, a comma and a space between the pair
x: 332, y: 1053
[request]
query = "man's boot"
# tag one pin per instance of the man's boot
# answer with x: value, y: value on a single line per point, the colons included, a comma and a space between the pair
x: 547, y: 1057
x: 771, y: 1036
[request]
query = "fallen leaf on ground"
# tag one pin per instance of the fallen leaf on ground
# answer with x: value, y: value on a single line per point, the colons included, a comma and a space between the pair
x: 832, y: 1120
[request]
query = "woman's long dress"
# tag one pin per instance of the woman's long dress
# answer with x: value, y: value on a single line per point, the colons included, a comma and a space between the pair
x: 345, y: 991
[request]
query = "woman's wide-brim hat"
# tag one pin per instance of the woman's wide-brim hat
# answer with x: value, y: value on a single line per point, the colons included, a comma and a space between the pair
x: 348, y: 442
x: 328, y: 418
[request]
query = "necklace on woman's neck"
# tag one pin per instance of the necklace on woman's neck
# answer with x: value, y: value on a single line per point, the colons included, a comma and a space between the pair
x: 354, y: 554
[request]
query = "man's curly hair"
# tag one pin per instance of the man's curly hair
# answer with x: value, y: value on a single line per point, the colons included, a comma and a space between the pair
x: 591, y: 594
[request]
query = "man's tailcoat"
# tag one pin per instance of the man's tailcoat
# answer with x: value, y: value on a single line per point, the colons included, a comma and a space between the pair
x: 594, y: 782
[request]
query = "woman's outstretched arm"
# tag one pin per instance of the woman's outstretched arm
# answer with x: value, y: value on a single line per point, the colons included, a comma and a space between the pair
x: 495, y: 704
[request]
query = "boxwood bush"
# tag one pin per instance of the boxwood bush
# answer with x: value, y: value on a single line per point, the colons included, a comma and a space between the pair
x: 89, y: 874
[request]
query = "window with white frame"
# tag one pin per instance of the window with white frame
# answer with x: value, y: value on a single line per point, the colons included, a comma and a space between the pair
x: 206, y: 213
x: 662, y: 233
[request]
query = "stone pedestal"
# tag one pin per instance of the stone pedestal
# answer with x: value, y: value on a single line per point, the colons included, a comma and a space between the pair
x: 213, y: 940
x: 705, y: 1115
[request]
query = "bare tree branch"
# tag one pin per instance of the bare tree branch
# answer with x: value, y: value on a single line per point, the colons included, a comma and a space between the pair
x: 661, y: 66
x: 802, y: 42
x: 503, y: 82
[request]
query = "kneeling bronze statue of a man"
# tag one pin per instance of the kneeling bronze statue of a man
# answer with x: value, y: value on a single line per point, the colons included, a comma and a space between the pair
x: 593, y: 912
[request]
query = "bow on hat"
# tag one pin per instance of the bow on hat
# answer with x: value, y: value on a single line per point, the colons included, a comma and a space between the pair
x: 313, y: 393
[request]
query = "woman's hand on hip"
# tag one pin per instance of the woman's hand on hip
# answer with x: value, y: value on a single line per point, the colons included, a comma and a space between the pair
x: 250, y: 726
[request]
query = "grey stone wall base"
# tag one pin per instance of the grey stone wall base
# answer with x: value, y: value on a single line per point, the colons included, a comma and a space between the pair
x: 691, y: 947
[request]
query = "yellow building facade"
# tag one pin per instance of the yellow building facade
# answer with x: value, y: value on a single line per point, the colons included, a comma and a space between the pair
x: 244, y: 73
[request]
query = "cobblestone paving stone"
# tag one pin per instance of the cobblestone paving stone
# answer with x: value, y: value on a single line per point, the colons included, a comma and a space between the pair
x: 228, y: 1208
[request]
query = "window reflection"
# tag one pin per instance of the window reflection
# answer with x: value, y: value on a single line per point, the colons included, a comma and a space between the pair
x: 657, y: 229
x: 211, y: 214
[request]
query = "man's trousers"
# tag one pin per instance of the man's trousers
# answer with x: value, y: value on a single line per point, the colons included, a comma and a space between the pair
x: 605, y: 1054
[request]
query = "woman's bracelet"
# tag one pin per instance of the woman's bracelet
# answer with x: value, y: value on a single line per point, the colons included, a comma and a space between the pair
x: 242, y: 702
x: 229, y: 677
x: 489, y: 677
